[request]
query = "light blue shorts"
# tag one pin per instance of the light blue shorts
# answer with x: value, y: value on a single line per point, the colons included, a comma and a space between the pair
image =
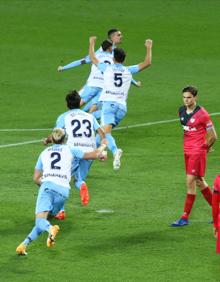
x: 112, y: 113
x: 89, y: 92
x: 80, y: 171
x: 51, y: 197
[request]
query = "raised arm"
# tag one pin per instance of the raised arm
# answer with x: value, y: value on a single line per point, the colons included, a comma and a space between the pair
x: 92, y: 56
x: 74, y: 64
x: 147, y: 61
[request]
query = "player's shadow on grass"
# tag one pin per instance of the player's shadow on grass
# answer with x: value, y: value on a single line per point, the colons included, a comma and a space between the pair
x: 152, y: 241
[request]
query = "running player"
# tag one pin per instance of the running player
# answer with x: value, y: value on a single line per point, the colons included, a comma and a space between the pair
x: 114, y: 36
x: 117, y: 81
x: 53, y: 173
x: 92, y: 89
x: 80, y: 128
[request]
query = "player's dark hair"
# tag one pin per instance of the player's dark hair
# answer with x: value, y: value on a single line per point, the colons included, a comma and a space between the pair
x: 119, y: 55
x: 111, y: 31
x: 73, y: 100
x: 192, y: 89
x: 106, y: 44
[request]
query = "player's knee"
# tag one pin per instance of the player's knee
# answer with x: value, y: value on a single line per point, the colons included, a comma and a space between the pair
x: 198, y: 183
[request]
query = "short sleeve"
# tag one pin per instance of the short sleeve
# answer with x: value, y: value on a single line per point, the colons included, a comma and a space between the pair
x: 133, y: 69
x: 102, y: 67
x: 96, y: 124
x: 39, y: 164
x: 60, y: 123
x: 207, y: 120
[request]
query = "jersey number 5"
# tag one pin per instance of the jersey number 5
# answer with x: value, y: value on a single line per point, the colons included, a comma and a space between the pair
x: 118, y: 79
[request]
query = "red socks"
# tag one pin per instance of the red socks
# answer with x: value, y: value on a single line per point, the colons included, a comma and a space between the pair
x: 207, y: 194
x: 218, y: 237
x: 215, y: 208
x: 190, y: 198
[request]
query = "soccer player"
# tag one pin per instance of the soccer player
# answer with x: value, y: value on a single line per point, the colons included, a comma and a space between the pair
x: 94, y: 105
x: 216, y: 211
x: 94, y: 84
x: 114, y: 36
x: 199, y: 137
x: 117, y: 81
x: 80, y: 128
x: 53, y: 173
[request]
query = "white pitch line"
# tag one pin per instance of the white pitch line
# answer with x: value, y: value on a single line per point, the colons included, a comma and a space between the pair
x: 19, y: 144
x: 118, y: 128
x: 146, y: 124
x: 24, y: 129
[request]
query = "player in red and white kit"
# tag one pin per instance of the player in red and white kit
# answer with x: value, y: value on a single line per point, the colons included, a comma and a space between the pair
x: 216, y: 211
x: 199, y: 137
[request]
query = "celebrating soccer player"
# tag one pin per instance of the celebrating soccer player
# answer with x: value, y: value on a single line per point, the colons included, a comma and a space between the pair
x: 90, y: 92
x: 199, y: 137
x: 80, y: 128
x: 117, y: 81
x: 53, y: 173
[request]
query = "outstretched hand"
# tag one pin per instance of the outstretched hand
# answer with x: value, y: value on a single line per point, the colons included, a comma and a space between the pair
x: 138, y: 84
x: 148, y: 43
x: 60, y: 68
x: 92, y: 39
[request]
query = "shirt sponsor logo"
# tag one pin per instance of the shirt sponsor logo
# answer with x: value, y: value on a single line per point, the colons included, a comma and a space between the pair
x: 45, y: 175
x: 188, y: 128
x: 114, y: 93
x: 97, y: 77
x: 78, y: 144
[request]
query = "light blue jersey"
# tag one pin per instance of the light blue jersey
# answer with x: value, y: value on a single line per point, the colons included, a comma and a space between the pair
x: 117, y: 81
x: 80, y: 128
x: 55, y: 162
x: 95, y: 81
x: 94, y: 84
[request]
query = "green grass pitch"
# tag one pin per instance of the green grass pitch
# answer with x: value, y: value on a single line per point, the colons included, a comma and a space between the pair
x: 134, y: 243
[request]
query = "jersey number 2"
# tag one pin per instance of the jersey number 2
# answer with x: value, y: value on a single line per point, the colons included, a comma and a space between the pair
x: 57, y: 158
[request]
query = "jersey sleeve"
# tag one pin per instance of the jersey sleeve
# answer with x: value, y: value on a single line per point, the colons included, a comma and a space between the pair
x: 133, y: 69
x: 77, y: 153
x: 85, y: 60
x: 209, y: 124
x: 207, y: 121
x: 39, y: 164
x: 133, y: 81
x: 96, y: 125
x: 60, y: 123
x: 102, y: 67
